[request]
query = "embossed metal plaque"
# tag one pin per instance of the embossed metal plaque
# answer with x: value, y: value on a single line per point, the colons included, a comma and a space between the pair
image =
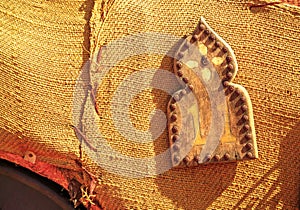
x: 211, y: 118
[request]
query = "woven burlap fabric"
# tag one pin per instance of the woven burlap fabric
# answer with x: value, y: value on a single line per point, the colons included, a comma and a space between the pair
x: 265, y: 41
x: 42, y: 55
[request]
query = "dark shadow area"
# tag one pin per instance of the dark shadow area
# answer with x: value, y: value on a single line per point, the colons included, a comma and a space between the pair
x: 195, y: 187
x: 288, y: 181
x: 22, y: 189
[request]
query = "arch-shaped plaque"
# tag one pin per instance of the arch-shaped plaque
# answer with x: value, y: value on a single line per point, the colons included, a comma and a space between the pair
x: 211, y: 118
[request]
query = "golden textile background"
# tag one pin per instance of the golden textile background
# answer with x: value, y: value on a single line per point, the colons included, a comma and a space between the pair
x: 42, y: 55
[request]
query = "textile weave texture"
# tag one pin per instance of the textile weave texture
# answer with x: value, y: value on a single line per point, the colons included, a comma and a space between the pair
x: 45, y: 44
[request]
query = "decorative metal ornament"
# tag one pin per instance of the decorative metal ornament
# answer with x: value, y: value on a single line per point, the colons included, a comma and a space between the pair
x: 210, y: 119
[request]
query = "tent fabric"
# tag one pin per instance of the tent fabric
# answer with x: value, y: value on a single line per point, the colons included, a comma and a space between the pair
x: 45, y: 45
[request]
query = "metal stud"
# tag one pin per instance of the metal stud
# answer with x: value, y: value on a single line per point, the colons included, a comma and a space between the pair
x: 226, y: 156
x: 206, y: 31
x: 249, y: 155
x: 235, y: 94
x: 230, y: 67
x: 186, y: 160
x: 179, y: 64
x: 174, y: 117
x: 228, y: 58
x: 172, y: 107
x: 244, y: 108
x: 243, y: 99
x: 249, y: 146
x: 212, y: 37
x: 231, y: 88
x: 191, y: 87
x: 202, y: 27
x: 217, y: 157
x: 175, y: 129
x: 238, y: 104
x: 179, y: 73
x: 248, y: 136
x: 183, y: 92
x: 175, y: 147
x: 176, y: 158
x: 218, y: 44
x: 180, y: 54
x: 229, y: 75
x: 175, y: 138
x: 226, y: 83
x: 246, y: 127
x: 185, y: 80
x: 224, y: 50
x: 204, y: 61
x: 237, y: 91
x: 245, y: 118
x: 195, y: 37
x: 208, y: 157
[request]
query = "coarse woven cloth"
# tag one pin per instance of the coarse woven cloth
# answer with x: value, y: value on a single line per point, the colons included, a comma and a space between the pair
x: 45, y: 44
